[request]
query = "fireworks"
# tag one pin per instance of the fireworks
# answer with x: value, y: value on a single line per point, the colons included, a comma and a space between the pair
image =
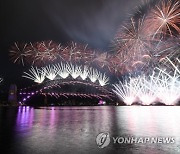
x: 49, y: 52
x: 78, y: 53
x: 84, y: 73
x: 74, y: 70
x: 103, y: 79
x: 131, y: 43
x: 139, y: 51
x: 40, y: 53
x: 168, y: 89
x: 35, y: 74
x: 164, y: 18
x: 140, y: 45
x: 50, y: 72
x: 161, y: 86
x: 125, y: 93
x: 19, y: 52
x: 132, y: 37
x: 64, y: 70
x: 44, y: 52
x: 156, y: 57
x: 102, y: 60
x: 144, y: 42
x: 93, y: 75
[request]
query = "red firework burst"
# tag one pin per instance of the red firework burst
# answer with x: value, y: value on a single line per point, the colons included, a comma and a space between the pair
x: 164, y: 19
x: 131, y: 42
x: 77, y: 53
x: 44, y: 52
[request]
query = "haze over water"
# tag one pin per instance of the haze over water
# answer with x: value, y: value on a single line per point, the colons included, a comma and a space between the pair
x: 26, y: 130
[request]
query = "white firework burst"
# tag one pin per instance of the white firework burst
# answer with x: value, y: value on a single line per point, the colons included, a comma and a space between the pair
x: 169, y: 85
x: 35, y: 74
x: 126, y: 92
x: 147, y: 89
x: 84, y: 73
x: 173, y: 65
x: 74, y: 70
x: 103, y: 79
x: 161, y: 86
x: 93, y: 74
x: 19, y: 52
x: 51, y: 72
x: 63, y: 70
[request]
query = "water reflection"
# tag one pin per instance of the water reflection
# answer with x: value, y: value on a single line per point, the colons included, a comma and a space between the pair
x: 74, y: 129
x: 25, y: 118
x: 63, y: 128
x: 151, y: 122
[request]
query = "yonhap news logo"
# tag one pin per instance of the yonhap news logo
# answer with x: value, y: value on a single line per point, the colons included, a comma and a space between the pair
x: 103, y: 139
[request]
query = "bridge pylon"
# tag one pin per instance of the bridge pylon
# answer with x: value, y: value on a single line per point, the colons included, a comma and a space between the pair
x: 12, y: 98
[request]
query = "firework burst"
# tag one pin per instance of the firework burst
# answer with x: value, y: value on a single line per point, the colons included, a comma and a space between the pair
x: 164, y: 18
x: 47, y: 52
x: 168, y: 87
x: 74, y: 70
x: 44, y: 52
x: 35, y: 74
x: 63, y: 71
x: 126, y: 91
x: 103, y: 79
x: 50, y: 72
x: 19, y: 52
x: 131, y: 43
x: 84, y: 73
x: 160, y: 86
x: 93, y: 74
x: 77, y: 53
x: 156, y: 57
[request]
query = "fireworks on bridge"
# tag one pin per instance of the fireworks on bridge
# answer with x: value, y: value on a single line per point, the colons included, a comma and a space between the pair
x: 74, y: 70
x: 84, y: 73
x: 64, y: 70
x: 36, y: 75
x: 50, y: 71
x: 60, y: 88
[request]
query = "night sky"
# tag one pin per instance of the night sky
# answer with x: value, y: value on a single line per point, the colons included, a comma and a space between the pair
x: 93, y: 22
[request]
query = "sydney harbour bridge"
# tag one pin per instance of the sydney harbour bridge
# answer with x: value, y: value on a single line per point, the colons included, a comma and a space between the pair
x: 64, y: 81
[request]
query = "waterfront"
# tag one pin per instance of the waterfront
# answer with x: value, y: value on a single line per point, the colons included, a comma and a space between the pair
x: 74, y: 129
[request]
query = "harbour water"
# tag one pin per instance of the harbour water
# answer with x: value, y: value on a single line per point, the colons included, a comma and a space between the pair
x: 58, y: 130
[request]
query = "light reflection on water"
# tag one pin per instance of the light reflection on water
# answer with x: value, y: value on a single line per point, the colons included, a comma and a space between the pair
x: 151, y: 122
x: 74, y: 129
